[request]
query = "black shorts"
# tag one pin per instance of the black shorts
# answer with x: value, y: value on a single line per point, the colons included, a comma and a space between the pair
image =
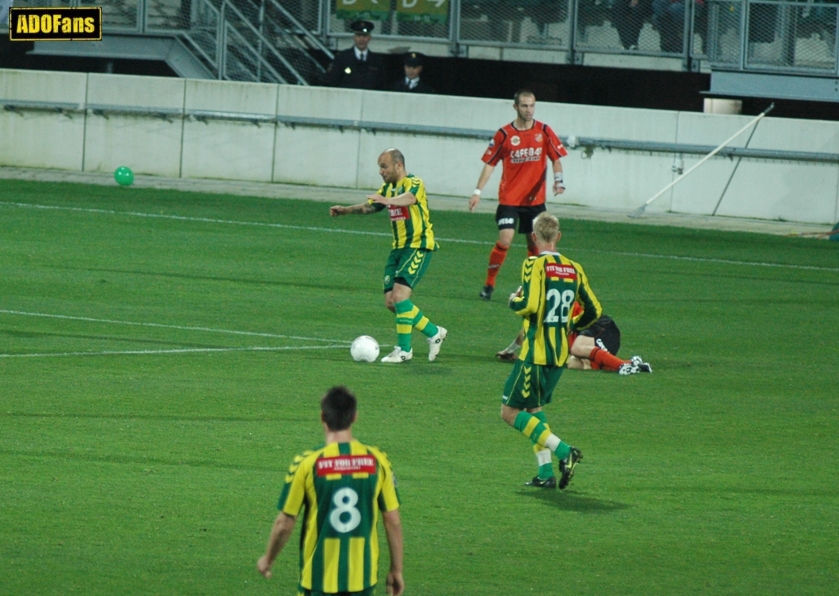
x: 605, y: 334
x: 507, y: 216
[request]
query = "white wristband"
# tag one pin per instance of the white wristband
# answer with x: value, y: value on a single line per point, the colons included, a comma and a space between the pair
x: 477, y: 191
x: 558, y: 177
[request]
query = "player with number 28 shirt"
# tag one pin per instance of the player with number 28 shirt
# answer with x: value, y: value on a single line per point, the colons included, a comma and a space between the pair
x: 550, y: 284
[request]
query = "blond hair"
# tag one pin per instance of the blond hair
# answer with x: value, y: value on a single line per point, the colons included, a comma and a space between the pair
x: 546, y: 227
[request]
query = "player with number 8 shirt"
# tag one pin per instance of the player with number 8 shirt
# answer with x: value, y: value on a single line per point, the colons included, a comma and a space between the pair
x: 342, y: 487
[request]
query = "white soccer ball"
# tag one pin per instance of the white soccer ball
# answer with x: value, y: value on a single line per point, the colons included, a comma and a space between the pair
x: 364, y: 349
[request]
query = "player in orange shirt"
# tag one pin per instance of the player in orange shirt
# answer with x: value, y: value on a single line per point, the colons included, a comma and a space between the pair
x: 523, y: 147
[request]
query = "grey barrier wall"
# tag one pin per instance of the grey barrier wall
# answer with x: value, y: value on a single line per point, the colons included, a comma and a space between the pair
x: 226, y: 130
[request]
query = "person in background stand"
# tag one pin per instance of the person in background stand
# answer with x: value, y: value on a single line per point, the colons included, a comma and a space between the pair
x: 669, y: 19
x: 411, y: 82
x: 630, y: 16
x: 357, y: 67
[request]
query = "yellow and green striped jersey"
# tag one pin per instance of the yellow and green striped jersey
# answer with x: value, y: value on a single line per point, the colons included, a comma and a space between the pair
x: 342, y: 487
x: 550, y: 285
x: 411, y: 224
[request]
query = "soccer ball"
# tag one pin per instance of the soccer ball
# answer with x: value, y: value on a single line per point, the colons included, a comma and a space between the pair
x: 364, y: 349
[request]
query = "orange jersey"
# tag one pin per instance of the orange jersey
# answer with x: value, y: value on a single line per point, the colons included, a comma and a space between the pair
x: 524, y: 154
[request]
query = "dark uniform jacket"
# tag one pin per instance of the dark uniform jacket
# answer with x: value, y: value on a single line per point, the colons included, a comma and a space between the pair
x: 349, y: 72
x: 422, y: 87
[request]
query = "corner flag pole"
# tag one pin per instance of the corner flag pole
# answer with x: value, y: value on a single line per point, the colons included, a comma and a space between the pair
x: 640, y: 210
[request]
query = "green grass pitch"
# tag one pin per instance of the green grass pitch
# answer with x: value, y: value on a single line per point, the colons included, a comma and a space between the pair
x: 162, y: 355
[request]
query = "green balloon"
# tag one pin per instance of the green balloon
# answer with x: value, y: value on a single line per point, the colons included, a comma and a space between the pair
x: 124, y: 176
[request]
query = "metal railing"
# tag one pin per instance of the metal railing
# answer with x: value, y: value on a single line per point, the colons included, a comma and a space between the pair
x: 251, y: 40
x: 294, y: 37
x: 774, y: 36
x: 587, y: 145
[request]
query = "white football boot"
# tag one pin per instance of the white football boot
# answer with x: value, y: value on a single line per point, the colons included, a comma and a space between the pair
x: 435, y: 342
x: 398, y: 355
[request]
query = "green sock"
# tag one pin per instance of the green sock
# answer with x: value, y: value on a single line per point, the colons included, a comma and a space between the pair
x: 421, y: 322
x: 543, y: 455
x: 409, y: 316
x: 404, y: 324
x: 535, y: 430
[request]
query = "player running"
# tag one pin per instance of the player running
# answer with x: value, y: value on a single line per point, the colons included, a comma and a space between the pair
x: 523, y: 147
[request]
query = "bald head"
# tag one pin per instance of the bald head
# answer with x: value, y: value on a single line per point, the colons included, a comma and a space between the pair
x: 392, y: 165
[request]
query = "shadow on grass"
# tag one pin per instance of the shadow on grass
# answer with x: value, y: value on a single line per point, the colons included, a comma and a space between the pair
x: 568, y: 500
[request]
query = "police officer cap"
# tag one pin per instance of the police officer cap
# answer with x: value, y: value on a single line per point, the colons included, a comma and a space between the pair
x: 362, y: 27
x: 413, y: 59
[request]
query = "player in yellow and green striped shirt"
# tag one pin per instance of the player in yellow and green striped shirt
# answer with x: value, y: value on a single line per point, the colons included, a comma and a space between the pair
x: 413, y: 246
x: 551, y: 283
x: 341, y: 487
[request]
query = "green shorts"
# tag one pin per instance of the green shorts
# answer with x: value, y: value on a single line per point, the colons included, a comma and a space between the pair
x: 371, y: 591
x: 530, y: 385
x: 407, y: 266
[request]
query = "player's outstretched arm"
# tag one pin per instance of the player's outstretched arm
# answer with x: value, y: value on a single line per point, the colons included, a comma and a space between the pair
x: 360, y: 209
x: 393, y: 529
x: 280, y: 533
x: 486, y: 174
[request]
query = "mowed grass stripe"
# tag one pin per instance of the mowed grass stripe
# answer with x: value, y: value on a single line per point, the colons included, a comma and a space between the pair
x: 710, y: 476
x: 385, y: 234
x: 164, y: 326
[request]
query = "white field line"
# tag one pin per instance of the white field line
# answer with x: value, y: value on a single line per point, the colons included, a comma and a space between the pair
x: 387, y: 234
x: 162, y: 326
x: 333, y: 343
x: 173, y: 351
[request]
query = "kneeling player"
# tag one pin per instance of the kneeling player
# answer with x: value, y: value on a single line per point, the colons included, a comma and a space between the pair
x: 593, y: 348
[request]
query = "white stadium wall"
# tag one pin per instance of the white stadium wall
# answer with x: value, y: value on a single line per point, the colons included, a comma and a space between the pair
x: 150, y: 145
x: 42, y: 139
x: 228, y: 149
x: 169, y: 145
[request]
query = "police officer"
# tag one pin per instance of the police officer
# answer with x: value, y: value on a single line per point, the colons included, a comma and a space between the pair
x: 357, y: 67
x: 411, y: 82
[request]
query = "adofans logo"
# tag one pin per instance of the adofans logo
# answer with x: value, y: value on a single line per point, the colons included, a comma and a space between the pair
x: 55, y: 24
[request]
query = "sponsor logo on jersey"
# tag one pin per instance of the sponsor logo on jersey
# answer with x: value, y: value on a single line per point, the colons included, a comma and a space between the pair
x: 526, y: 154
x: 515, y: 141
x: 560, y: 271
x: 346, y: 464
x: 397, y: 213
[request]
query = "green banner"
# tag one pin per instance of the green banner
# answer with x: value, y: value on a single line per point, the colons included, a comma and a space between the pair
x: 374, y: 10
x: 422, y: 11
